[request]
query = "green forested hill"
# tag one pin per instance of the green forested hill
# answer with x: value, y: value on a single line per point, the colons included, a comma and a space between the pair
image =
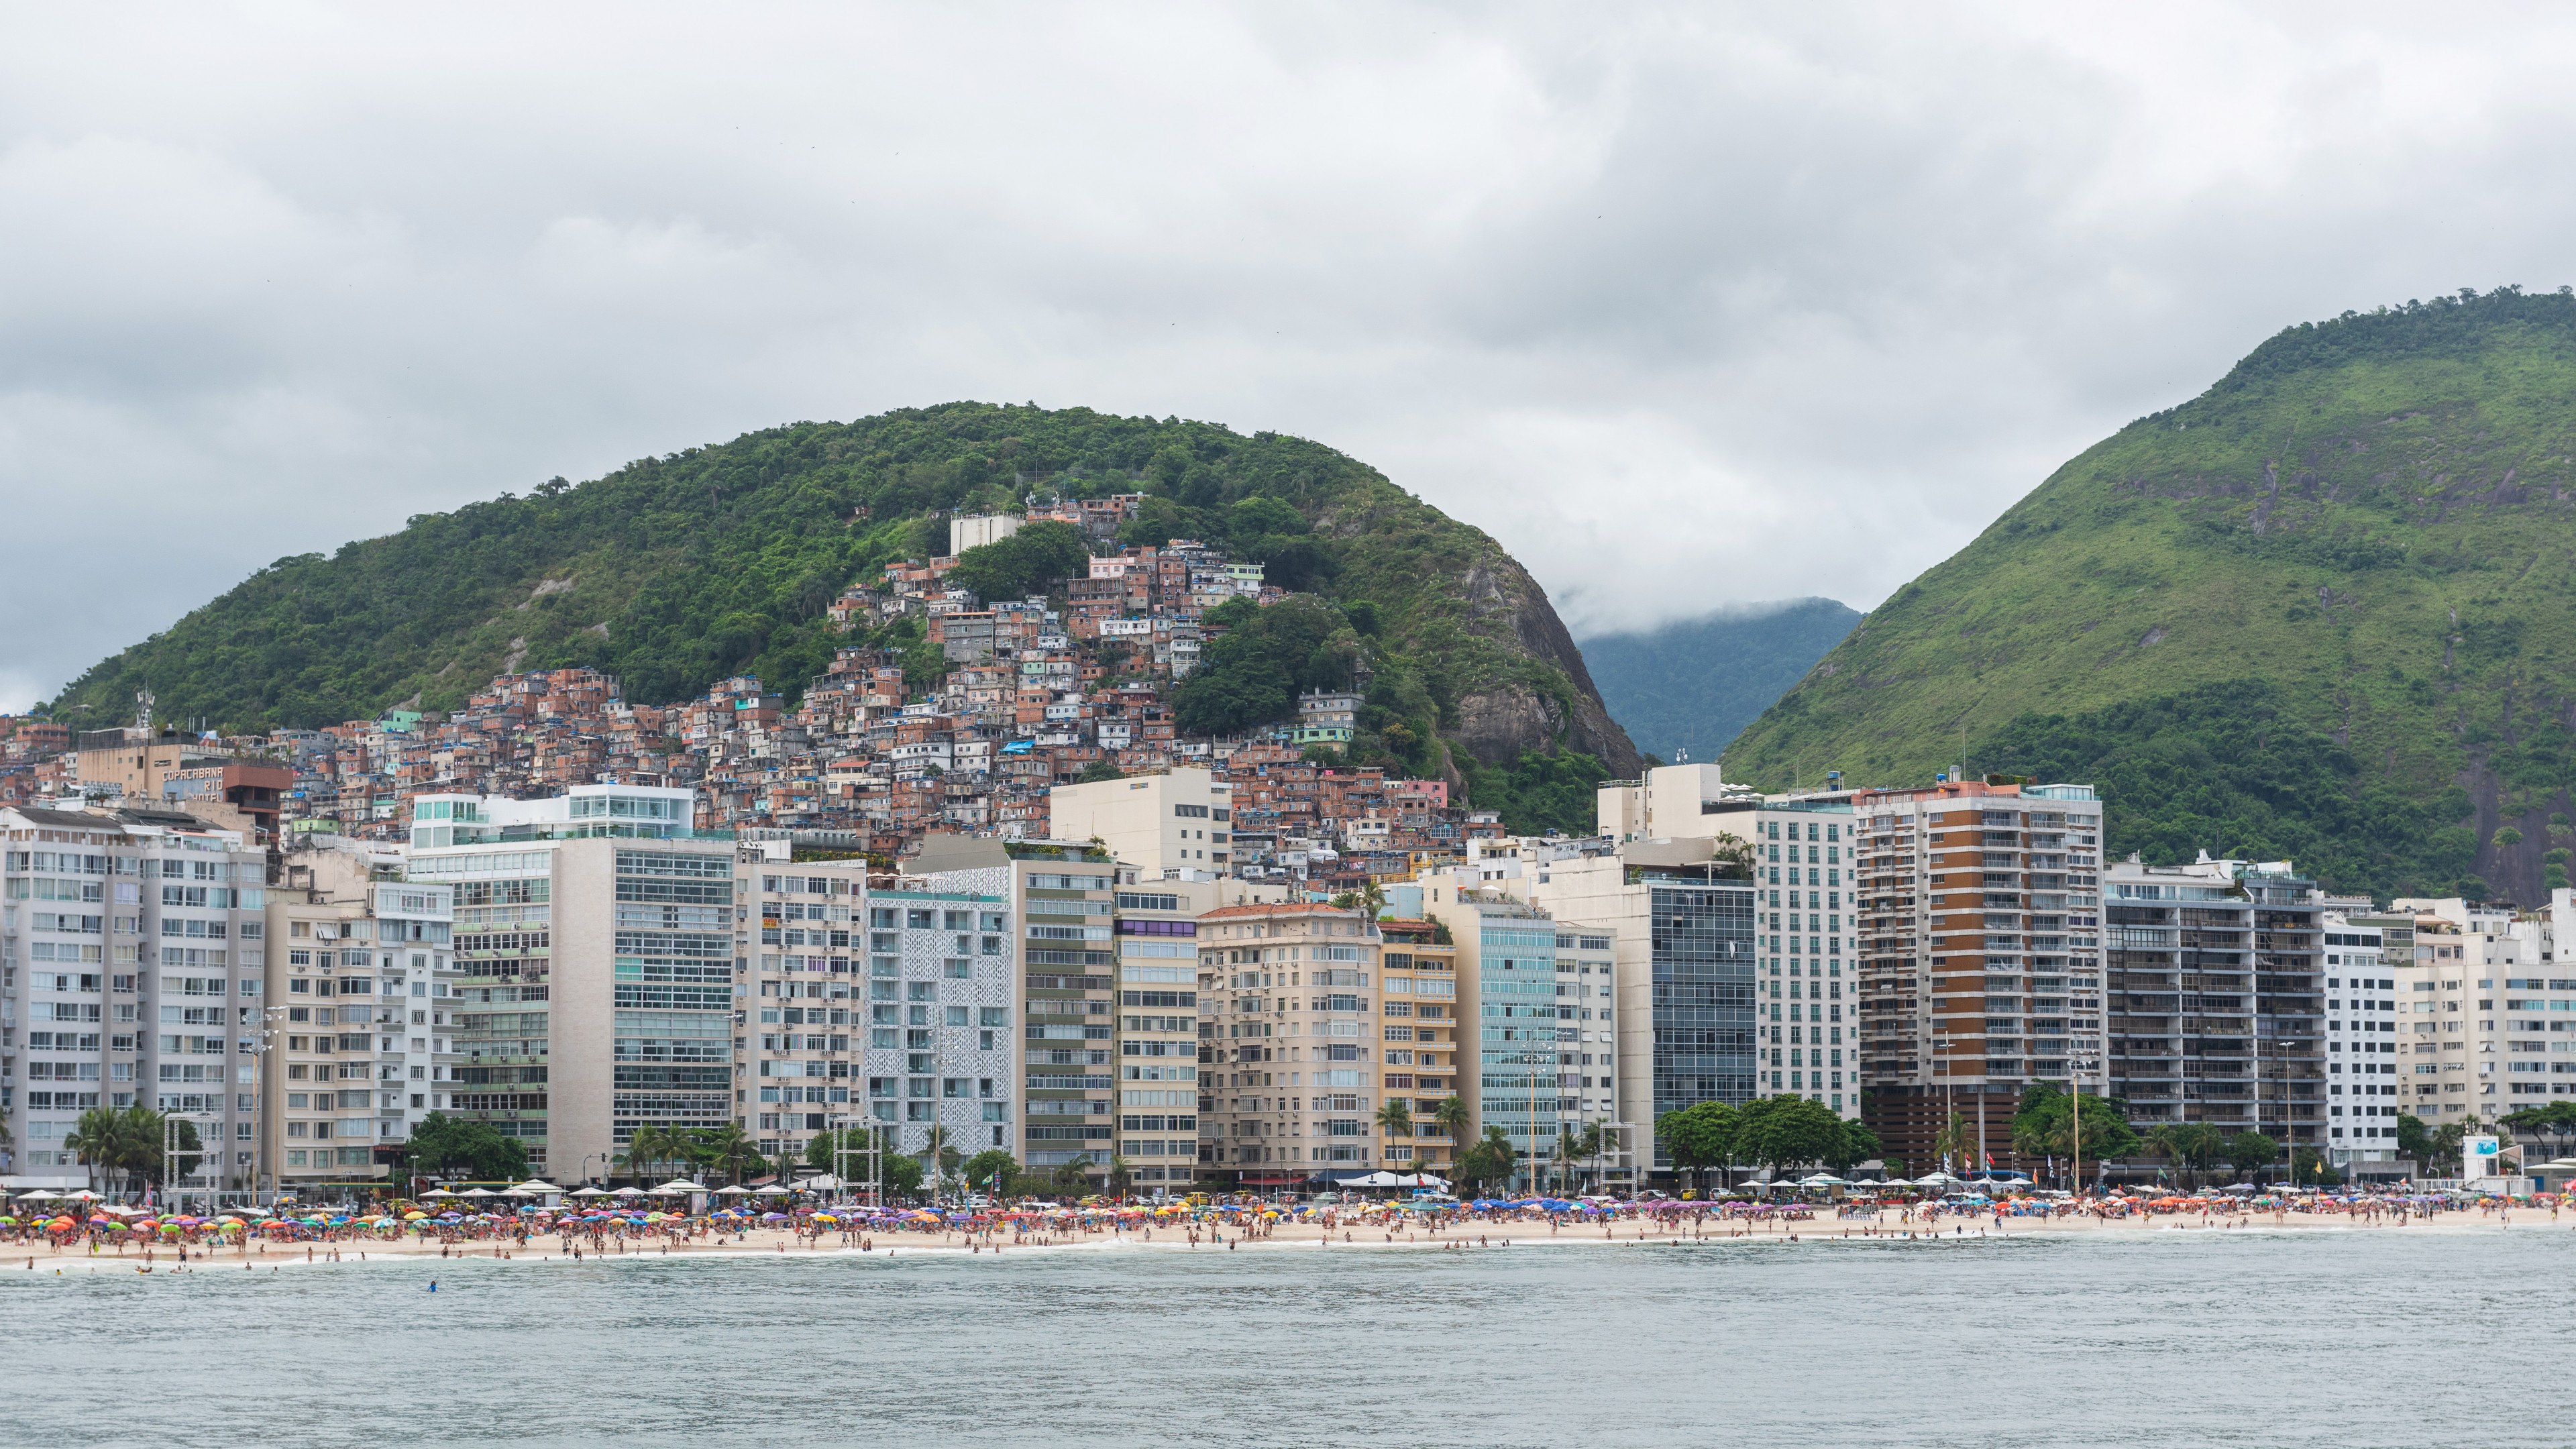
x: 677, y: 571
x: 2323, y: 609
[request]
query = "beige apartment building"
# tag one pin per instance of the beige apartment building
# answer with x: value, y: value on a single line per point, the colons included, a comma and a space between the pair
x: 1170, y: 826
x: 1288, y: 1003
x: 321, y: 1081
x: 1158, y: 1025
x: 358, y: 983
x: 2478, y: 1032
x: 804, y: 1045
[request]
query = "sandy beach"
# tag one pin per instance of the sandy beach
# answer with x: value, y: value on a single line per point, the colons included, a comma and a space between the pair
x: 1469, y: 1235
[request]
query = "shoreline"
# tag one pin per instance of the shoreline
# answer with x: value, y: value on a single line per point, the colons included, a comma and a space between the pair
x: 771, y: 1244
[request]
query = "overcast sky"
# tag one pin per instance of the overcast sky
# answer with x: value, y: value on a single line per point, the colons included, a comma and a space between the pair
x: 1690, y: 307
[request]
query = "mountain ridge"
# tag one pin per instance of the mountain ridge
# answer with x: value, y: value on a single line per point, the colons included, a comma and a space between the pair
x: 2362, y: 535
x: 676, y: 571
x: 1692, y: 684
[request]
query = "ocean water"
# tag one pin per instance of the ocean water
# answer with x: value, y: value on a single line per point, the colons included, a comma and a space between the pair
x: 2247, y: 1337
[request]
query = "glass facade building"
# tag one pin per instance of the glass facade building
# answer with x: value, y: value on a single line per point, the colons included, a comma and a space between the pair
x: 1704, y: 995
x: 1516, y: 1028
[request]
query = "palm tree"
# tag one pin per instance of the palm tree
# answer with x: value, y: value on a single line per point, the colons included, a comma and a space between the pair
x: 2034, y: 1138
x: 1568, y: 1149
x: 99, y: 1141
x: 934, y: 1143
x: 2165, y: 1140
x: 651, y: 1145
x: 140, y: 1131
x: 1074, y: 1175
x: 2188, y: 1145
x: 1395, y: 1119
x: 1598, y: 1138
x: 2202, y: 1142
x: 1452, y: 1119
x: 1490, y: 1161
x: 726, y: 1145
x: 1121, y: 1171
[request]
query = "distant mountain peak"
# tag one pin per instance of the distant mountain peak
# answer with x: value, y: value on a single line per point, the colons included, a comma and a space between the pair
x: 1689, y: 685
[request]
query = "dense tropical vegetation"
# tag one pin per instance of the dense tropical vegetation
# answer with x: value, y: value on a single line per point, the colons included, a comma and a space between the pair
x: 1782, y: 1133
x: 2323, y: 610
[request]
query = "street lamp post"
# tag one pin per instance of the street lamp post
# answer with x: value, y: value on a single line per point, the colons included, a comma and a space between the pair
x: 267, y: 1037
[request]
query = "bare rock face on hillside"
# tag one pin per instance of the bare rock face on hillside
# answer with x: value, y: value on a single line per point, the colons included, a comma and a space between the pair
x: 1497, y: 723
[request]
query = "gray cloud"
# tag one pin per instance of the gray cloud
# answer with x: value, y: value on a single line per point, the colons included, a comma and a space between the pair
x: 1688, y: 307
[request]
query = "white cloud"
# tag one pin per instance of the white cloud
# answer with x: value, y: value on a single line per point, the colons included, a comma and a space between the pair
x: 1688, y: 306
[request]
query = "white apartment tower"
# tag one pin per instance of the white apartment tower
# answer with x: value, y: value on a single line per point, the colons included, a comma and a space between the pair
x: 131, y: 972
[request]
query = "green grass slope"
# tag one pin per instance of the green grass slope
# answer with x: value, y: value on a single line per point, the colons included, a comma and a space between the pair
x: 677, y: 571
x: 2323, y: 608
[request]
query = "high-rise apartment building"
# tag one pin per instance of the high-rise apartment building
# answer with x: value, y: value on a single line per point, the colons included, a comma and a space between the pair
x: 938, y: 1058
x: 1158, y: 1024
x: 1980, y: 955
x: 1686, y: 1020
x: 1544, y: 1001
x: 2217, y: 990
x: 2367, y: 1062
x: 1288, y: 999
x: 802, y: 1046
x: 599, y: 940
x: 2485, y: 1036
x: 131, y: 957
x: 359, y: 973
x: 1161, y: 1037
x: 1955, y: 928
x: 1423, y: 1038
x: 1060, y: 900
